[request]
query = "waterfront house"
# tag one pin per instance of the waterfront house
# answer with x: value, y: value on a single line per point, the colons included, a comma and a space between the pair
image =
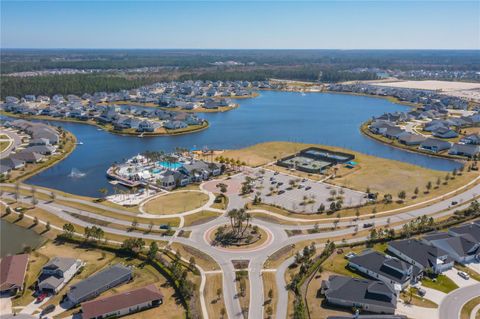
x: 471, y: 139
x: 411, y: 139
x: 9, y: 163
x: 57, y: 273
x: 12, y: 273
x: 174, y: 125
x: 391, y: 271
x: 101, y: 281
x: 123, y: 303
x: 368, y: 295
x: 145, y: 126
x: 434, y: 145
x: 421, y: 255
x: 468, y: 150
x: 41, y: 149
x: 28, y: 156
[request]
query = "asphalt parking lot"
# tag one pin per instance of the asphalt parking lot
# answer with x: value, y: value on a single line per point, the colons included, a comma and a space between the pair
x: 293, y: 198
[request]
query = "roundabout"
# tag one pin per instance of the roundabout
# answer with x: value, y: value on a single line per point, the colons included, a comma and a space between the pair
x: 263, y: 239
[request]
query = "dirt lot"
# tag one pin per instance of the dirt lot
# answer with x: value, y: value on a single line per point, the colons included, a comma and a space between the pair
x: 214, y: 302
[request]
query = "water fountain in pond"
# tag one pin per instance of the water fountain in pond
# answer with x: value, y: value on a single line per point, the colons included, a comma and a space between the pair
x: 75, y: 173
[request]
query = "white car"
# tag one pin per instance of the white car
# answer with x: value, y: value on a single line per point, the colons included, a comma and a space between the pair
x: 464, y: 275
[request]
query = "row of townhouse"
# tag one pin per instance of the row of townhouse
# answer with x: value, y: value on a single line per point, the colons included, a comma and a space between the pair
x: 467, y: 146
x: 417, y: 96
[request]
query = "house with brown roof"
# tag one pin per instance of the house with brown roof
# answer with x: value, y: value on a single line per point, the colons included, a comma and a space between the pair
x: 123, y: 303
x: 12, y: 273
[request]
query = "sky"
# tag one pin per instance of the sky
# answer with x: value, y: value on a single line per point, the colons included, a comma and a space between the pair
x: 381, y: 24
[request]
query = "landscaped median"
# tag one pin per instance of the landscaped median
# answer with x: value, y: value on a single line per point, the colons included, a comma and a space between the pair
x: 466, y: 312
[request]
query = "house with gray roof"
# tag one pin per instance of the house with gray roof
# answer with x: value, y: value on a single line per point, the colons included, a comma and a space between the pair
x: 421, y: 255
x: 57, y: 272
x: 410, y: 139
x: 28, y: 156
x: 467, y: 150
x: 10, y: 163
x: 443, y: 132
x: 99, y: 282
x: 392, y: 271
x: 462, y: 248
x: 471, y: 139
x: 469, y: 231
x: 367, y: 295
x: 434, y: 145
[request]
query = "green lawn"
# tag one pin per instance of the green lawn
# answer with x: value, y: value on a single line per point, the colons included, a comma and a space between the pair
x: 441, y: 283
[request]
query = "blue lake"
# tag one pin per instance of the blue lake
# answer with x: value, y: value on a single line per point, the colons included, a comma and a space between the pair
x: 330, y: 119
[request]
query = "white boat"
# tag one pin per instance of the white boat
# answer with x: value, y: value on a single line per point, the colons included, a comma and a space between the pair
x: 141, y: 135
x: 79, y: 143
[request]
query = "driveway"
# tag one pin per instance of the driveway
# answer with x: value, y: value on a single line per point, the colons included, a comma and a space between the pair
x: 31, y: 307
x: 5, y: 305
x: 453, y: 275
x: 415, y: 312
x: 434, y: 295
x: 475, y: 266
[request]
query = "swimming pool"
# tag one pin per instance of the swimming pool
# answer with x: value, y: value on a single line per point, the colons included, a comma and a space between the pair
x: 170, y: 165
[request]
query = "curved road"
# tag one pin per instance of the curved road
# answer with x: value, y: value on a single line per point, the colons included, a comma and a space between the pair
x: 452, y: 304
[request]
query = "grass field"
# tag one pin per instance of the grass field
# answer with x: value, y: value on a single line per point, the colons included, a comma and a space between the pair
x: 175, y: 202
x: 468, y: 307
x: 201, y: 259
x: 200, y: 217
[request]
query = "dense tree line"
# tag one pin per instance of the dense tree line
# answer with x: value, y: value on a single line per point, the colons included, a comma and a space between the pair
x: 28, y: 60
x: 69, y: 84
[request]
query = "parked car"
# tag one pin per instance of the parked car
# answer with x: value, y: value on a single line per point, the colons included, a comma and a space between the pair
x: 281, y: 192
x: 276, y: 173
x: 42, y: 297
x: 48, y: 309
x: 308, y: 188
x: 454, y: 203
x: 464, y: 275
x: 367, y: 225
x: 164, y: 226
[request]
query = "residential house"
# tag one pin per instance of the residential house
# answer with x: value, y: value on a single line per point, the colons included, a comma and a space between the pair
x: 57, y: 273
x: 101, y: 281
x: 443, y: 132
x: 8, y: 164
x: 471, y: 139
x: 463, y: 249
x: 411, y: 139
x: 28, y: 156
x: 434, y: 145
x: 368, y: 295
x: 123, y: 303
x: 468, y: 150
x: 392, y: 271
x: 12, y: 273
x: 421, y: 255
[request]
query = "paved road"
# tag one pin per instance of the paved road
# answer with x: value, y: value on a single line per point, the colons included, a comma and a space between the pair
x: 452, y: 304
